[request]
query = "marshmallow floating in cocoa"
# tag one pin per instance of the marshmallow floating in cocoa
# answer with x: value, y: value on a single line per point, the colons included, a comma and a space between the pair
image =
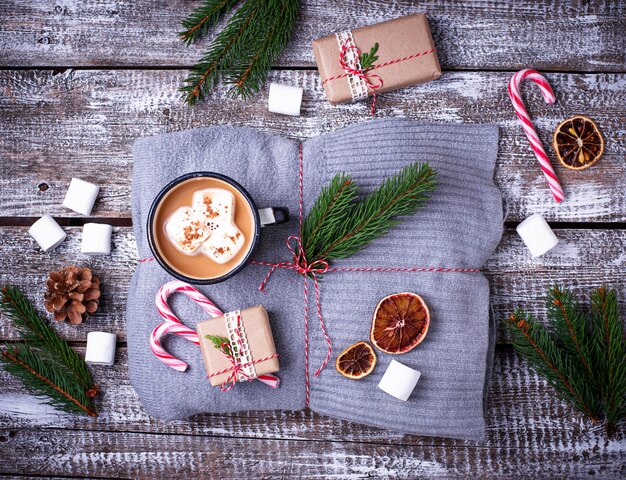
x: 187, y: 230
x: 537, y: 235
x: 224, y: 243
x: 96, y: 239
x: 285, y: 99
x: 47, y: 233
x: 214, y: 205
x: 81, y: 196
x: 100, y: 348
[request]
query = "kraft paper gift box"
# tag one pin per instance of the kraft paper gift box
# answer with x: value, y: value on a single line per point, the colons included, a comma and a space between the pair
x: 256, y: 325
x: 398, y: 38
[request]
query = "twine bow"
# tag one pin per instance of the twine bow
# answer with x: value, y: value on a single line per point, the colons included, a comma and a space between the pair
x: 236, y: 369
x: 359, y: 72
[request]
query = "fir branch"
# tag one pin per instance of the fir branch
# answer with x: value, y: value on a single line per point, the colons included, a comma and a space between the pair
x: 203, y: 18
x: 329, y: 210
x: 571, y: 326
x: 37, y: 332
x: 218, y: 341
x: 47, y: 379
x: 222, y: 52
x: 270, y: 38
x: 366, y: 60
x: 609, y: 348
x: 376, y: 214
x: 554, y: 363
x: 244, y: 51
x: 44, y: 361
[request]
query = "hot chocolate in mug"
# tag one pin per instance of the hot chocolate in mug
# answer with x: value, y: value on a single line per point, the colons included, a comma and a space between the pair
x: 203, y: 227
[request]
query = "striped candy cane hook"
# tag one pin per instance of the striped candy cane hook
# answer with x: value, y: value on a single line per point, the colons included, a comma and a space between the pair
x: 173, y: 325
x: 528, y: 127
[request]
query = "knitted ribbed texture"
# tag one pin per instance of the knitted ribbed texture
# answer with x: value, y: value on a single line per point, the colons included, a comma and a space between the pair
x: 460, y: 227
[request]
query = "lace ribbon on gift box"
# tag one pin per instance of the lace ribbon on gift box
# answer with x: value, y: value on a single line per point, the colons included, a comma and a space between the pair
x: 237, y: 351
x: 358, y: 87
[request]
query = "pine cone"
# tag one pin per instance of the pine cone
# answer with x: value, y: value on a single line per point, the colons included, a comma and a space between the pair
x: 72, y: 293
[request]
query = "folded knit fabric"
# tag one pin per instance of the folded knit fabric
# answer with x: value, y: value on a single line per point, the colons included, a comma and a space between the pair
x: 459, y: 227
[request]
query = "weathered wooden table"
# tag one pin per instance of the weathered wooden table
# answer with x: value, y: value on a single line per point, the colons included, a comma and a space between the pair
x: 81, y: 80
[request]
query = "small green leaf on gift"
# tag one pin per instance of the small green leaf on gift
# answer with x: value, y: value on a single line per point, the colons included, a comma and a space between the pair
x: 218, y: 342
x: 367, y: 59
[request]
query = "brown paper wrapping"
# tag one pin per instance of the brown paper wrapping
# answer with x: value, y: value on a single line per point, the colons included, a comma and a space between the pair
x: 256, y: 325
x: 396, y: 38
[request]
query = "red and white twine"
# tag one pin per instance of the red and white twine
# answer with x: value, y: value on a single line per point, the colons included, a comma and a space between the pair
x: 529, y: 129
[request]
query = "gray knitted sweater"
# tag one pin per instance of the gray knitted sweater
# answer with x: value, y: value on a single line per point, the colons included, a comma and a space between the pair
x: 460, y: 226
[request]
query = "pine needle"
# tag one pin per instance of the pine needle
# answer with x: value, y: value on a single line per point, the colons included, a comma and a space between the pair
x: 329, y: 212
x: 349, y: 228
x: 582, y: 356
x: 554, y: 363
x: 203, y: 18
x: 44, y: 361
x: 367, y: 59
x: 244, y: 51
x: 222, y: 52
x: 35, y: 331
x: 609, y: 348
x: 271, y: 36
x: 571, y: 326
x: 48, y: 380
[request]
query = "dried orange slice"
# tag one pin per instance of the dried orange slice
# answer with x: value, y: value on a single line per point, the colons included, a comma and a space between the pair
x: 356, y: 361
x: 400, y: 323
x: 578, y: 142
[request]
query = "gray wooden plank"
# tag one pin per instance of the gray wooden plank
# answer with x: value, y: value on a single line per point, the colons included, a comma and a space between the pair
x: 481, y: 34
x: 584, y: 259
x: 529, y: 432
x: 57, y: 125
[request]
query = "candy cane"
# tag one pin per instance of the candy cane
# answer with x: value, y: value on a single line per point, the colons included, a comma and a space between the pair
x: 173, y: 325
x: 529, y: 130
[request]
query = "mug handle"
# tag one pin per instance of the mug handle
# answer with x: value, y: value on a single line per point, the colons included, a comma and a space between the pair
x: 273, y: 216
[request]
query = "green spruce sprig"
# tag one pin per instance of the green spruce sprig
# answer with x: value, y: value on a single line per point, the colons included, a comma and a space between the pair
x: 551, y: 361
x: 583, y: 357
x: 366, y: 60
x: 244, y: 51
x: 609, y: 351
x: 218, y: 341
x: 339, y: 226
x: 571, y: 326
x: 43, y: 360
x: 198, y: 23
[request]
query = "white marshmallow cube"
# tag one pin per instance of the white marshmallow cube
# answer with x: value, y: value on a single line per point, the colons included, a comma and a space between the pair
x: 537, y: 235
x: 285, y: 99
x: 100, y: 348
x: 186, y: 230
x: 214, y: 205
x: 96, y: 239
x: 81, y: 196
x: 47, y: 233
x: 224, y: 243
x: 399, y: 380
